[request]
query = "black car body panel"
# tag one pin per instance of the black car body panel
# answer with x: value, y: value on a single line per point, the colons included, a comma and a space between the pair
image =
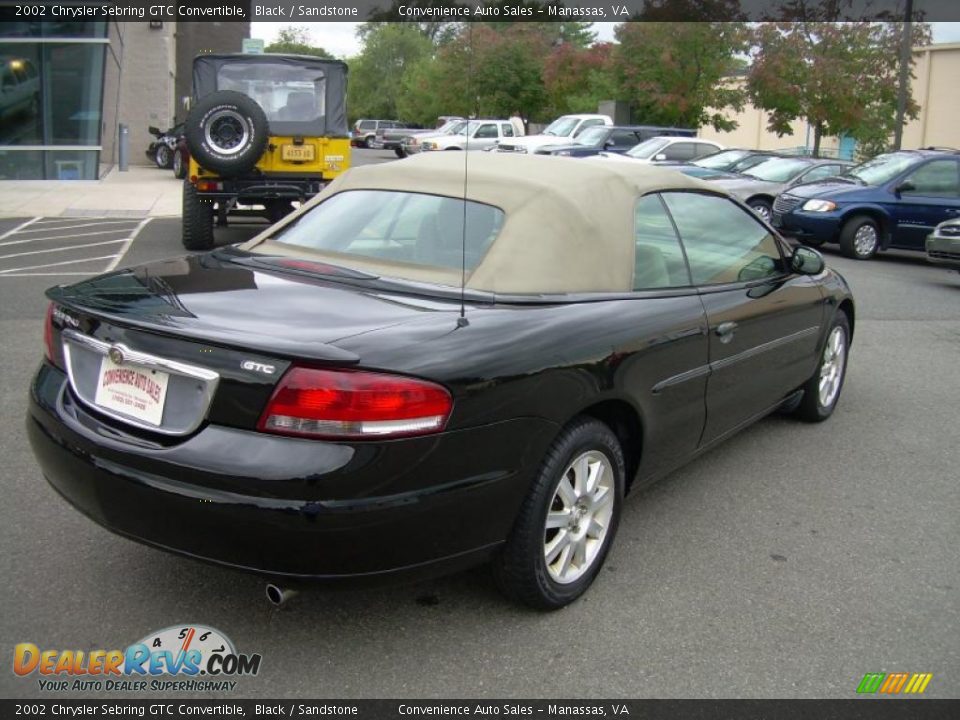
x: 333, y: 509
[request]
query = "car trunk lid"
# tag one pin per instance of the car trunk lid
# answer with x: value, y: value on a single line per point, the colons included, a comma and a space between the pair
x: 164, y: 346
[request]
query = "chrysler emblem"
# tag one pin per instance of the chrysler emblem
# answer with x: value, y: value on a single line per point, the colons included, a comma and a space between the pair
x: 116, y: 355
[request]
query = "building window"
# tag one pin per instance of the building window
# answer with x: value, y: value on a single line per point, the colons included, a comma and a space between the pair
x: 51, y: 97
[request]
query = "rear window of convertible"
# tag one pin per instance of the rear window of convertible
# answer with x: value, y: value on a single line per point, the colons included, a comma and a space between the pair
x: 414, y: 228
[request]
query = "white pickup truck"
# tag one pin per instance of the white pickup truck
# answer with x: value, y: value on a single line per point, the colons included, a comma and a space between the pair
x: 560, y: 132
x: 474, y: 135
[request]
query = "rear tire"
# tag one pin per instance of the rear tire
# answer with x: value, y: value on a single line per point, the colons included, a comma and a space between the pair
x: 822, y: 391
x: 179, y: 166
x: 568, y: 521
x: 197, y: 220
x: 860, y: 237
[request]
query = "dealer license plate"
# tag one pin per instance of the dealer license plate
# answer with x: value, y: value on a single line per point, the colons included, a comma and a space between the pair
x: 297, y: 152
x: 134, y: 391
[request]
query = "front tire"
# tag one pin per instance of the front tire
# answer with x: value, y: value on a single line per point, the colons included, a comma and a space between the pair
x: 568, y: 521
x: 162, y: 156
x: 762, y: 208
x: 860, y: 237
x: 197, y: 220
x: 822, y: 391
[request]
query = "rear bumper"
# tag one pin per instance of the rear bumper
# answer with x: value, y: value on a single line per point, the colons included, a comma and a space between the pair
x: 285, y: 507
x: 259, y: 189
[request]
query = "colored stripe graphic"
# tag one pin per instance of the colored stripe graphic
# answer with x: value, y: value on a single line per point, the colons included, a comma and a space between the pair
x: 918, y: 683
x: 870, y: 683
x: 894, y: 683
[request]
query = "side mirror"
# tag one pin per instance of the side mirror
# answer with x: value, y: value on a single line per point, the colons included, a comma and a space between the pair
x: 660, y: 156
x: 154, y: 130
x: 807, y: 261
x: 905, y: 186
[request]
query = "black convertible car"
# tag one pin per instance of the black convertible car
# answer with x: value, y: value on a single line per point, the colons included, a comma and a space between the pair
x: 414, y: 373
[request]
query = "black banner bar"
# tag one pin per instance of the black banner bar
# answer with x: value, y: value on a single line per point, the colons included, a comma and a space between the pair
x: 301, y: 11
x: 854, y: 709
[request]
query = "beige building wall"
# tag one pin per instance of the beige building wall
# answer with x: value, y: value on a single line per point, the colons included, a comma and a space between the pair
x: 147, y: 75
x: 936, y: 89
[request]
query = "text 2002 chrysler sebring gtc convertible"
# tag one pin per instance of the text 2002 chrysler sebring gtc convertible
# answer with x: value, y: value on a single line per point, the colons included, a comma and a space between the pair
x: 312, y: 404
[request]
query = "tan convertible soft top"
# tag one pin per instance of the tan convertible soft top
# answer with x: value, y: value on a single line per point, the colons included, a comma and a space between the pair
x: 568, y: 226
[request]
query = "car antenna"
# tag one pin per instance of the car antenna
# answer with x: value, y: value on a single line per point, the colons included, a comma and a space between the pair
x: 462, y: 320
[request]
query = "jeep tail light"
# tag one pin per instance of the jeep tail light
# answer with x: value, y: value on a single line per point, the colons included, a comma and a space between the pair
x: 341, y: 404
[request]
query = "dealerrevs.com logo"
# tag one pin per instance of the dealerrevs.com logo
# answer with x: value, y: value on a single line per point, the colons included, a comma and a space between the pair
x: 177, y: 658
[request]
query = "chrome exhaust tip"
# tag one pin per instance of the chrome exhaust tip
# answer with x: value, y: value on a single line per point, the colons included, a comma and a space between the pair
x: 279, y: 596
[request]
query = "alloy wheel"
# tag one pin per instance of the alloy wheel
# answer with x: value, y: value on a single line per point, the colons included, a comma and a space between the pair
x: 579, y: 517
x: 763, y: 211
x: 831, y: 369
x: 227, y: 132
x: 865, y: 240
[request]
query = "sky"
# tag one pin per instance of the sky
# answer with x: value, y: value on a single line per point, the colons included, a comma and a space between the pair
x: 340, y: 39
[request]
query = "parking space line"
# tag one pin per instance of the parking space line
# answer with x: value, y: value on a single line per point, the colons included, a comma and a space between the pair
x: 123, y: 251
x: 64, y: 237
x: 132, y: 221
x: 7, y: 273
x: 61, y: 249
x: 19, y: 227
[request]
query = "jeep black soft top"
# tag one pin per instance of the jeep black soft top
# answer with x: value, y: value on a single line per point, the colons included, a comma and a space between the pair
x: 239, y: 72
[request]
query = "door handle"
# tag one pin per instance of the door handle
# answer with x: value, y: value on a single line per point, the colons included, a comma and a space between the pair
x: 725, y: 329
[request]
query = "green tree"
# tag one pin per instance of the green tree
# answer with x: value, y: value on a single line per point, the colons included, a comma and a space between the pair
x: 577, y: 79
x: 484, y: 70
x: 295, y: 40
x: 377, y: 74
x: 841, y: 78
x: 676, y: 74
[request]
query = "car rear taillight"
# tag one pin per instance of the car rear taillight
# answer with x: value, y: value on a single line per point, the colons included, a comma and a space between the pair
x: 50, y: 348
x: 354, y: 404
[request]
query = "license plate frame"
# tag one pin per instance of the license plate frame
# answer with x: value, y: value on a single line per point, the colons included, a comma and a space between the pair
x: 298, y: 153
x: 132, y: 391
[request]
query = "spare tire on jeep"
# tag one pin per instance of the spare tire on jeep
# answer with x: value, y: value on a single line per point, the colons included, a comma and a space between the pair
x: 226, y: 132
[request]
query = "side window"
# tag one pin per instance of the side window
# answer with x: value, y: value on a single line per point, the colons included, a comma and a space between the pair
x: 724, y: 243
x: 658, y: 261
x: 701, y: 149
x: 938, y: 178
x: 679, y: 151
x: 587, y: 123
x: 820, y: 172
x: 488, y: 130
x: 624, y: 138
x: 506, y: 129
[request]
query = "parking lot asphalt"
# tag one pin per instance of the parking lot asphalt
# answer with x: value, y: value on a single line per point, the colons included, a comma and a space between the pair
x: 786, y: 563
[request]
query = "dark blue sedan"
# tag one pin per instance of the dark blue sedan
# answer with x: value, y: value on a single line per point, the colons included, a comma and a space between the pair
x: 892, y: 201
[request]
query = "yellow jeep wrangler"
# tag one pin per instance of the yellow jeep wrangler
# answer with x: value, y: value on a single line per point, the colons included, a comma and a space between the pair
x: 263, y: 131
